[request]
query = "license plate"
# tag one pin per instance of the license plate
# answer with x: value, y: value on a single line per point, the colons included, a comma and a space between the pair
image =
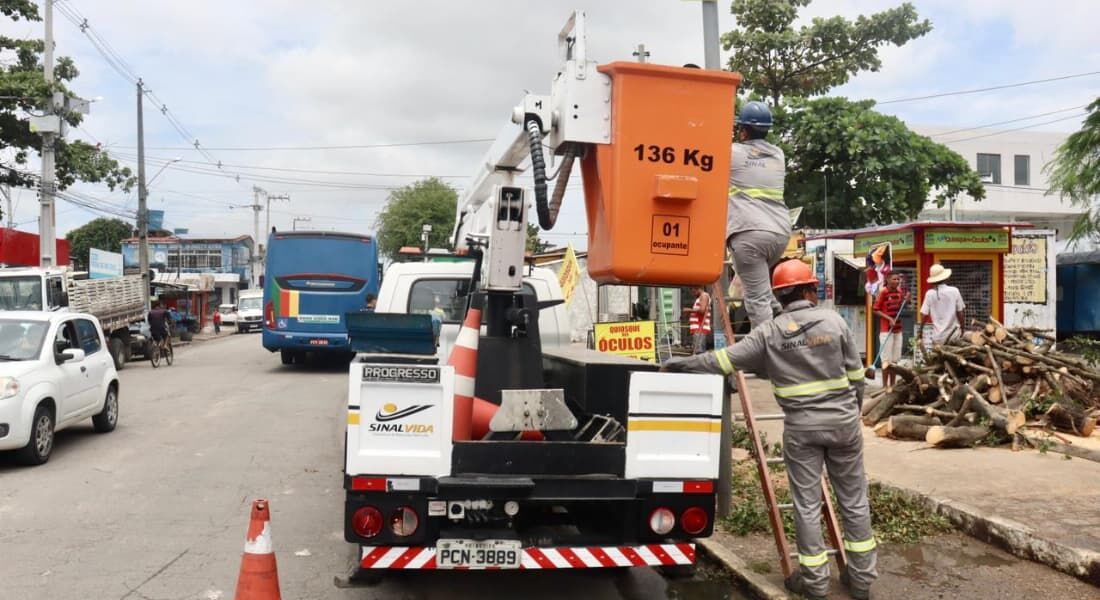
x: 319, y: 342
x: 478, y: 554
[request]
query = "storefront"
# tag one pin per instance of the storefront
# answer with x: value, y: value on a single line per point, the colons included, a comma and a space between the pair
x: 975, y: 253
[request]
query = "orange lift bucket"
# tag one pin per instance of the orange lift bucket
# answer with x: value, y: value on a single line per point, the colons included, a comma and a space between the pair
x: 656, y: 195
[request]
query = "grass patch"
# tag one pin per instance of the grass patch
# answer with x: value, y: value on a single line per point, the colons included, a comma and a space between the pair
x: 761, y: 567
x: 894, y: 517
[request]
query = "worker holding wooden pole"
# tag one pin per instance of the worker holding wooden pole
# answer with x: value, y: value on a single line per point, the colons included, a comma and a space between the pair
x: 811, y: 358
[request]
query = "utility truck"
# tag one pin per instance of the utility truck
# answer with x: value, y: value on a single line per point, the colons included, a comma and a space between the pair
x: 508, y: 452
x: 116, y: 302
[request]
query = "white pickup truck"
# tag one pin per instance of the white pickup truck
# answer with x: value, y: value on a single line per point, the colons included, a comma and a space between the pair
x: 441, y: 287
x: 628, y: 483
x: 116, y: 302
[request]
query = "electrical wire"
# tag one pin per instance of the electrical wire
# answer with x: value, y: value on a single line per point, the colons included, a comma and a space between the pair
x: 1004, y: 131
x: 336, y: 147
x: 1016, y: 120
x: 989, y: 89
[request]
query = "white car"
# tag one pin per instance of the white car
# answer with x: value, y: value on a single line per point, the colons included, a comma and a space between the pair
x: 55, y: 371
x: 229, y: 314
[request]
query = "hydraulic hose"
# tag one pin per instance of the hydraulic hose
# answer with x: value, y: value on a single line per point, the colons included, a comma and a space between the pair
x: 538, y: 167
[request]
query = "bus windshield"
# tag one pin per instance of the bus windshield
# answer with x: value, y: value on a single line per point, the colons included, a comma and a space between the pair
x: 21, y: 293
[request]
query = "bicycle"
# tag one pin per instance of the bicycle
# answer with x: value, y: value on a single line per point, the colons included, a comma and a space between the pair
x: 161, y: 349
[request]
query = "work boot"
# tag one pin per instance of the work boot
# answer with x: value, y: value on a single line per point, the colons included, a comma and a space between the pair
x: 794, y: 584
x: 855, y: 593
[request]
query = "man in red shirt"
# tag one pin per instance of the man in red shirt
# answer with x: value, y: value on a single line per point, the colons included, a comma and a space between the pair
x: 699, y: 320
x: 888, y: 306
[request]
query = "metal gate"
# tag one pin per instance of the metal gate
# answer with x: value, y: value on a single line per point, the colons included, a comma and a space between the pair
x: 974, y: 278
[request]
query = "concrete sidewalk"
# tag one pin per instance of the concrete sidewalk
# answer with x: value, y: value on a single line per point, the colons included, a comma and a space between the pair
x: 1036, y: 506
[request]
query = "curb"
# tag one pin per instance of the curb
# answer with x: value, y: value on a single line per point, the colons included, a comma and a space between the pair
x: 1012, y: 536
x: 756, y: 583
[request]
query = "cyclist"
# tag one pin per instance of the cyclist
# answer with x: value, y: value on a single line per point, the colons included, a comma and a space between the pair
x: 158, y: 324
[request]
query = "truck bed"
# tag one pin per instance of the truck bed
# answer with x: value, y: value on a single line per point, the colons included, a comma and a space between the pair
x: 115, y: 302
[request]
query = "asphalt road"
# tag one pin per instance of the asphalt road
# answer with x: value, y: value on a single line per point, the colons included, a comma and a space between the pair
x: 158, y: 509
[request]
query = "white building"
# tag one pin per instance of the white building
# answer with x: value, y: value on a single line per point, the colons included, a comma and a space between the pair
x: 1011, y: 165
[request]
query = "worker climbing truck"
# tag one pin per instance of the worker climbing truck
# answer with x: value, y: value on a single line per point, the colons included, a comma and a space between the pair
x: 115, y: 302
x: 507, y: 455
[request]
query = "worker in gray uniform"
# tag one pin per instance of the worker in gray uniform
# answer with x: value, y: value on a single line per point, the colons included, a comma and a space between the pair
x: 811, y: 358
x: 758, y: 225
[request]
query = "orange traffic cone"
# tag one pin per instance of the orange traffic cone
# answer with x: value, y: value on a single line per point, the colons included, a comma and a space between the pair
x: 259, y: 578
x: 464, y: 359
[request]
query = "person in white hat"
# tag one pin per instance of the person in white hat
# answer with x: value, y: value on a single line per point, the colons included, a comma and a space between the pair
x: 944, y: 305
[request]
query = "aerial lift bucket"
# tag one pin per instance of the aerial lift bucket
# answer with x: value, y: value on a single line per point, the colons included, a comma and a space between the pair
x: 656, y: 195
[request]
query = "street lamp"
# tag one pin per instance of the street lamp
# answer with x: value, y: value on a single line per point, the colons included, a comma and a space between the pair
x: 166, y: 165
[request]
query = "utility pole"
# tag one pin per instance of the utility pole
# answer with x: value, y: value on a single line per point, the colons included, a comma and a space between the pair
x: 256, y: 245
x: 267, y: 222
x: 641, y: 53
x: 710, y: 34
x: 712, y: 60
x: 47, y: 228
x: 143, y: 197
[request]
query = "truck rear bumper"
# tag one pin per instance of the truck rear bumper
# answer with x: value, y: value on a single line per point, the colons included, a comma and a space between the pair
x: 540, y: 558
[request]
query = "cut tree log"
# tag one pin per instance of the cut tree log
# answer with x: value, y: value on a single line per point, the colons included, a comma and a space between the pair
x: 1071, y: 419
x: 928, y: 410
x: 996, y: 373
x: 909, y: 427
x: 956, y: 437
x: 1006, y: 422
x: 885, y: 406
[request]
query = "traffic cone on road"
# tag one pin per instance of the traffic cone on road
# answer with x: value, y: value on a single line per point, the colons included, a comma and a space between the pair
x: 464, y: 359
x: 259, y: 578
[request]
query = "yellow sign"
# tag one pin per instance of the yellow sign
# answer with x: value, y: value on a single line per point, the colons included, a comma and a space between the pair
x: 1026, y: 270
x: 900, y: 241
x: 635, y: 339
x: 570, y: 274
x: 966, y: 239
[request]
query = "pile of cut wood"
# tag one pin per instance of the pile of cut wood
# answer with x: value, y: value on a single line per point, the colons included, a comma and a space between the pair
x: 986, y: 386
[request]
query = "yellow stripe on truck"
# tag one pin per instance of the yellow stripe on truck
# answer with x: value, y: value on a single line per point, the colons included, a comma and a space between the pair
x: 661, y: 425
x: 353, y: 418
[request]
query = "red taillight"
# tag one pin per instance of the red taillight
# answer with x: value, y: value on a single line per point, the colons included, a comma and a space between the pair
x: 661, y: 521
x: 367, y: 521
x: 269, y: 315
x: 694, y: 520
x: 404, y: 522
x: 368, y: 484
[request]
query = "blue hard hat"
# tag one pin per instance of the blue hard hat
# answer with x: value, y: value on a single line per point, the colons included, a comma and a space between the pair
x: 755, y: 114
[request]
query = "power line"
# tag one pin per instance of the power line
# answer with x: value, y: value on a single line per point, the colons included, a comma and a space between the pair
x: 1004, y: 131
x: 338, y: 147
x: 1017, y: 120
x: 990, y: 89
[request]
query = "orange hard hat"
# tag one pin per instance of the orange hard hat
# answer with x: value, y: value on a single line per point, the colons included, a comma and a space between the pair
x: 790, y: 273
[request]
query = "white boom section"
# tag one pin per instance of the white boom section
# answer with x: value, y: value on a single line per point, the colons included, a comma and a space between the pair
x: 577, y: 111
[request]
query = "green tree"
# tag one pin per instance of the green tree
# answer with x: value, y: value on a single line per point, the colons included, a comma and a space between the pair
x: 407, y: 209
x: 872, y: 167
x: 534, y: 244
x: 101, y: 233
x: 23, y: 90
x: 869, y: 167
x: 1075, y: 173
x: 778, y: 60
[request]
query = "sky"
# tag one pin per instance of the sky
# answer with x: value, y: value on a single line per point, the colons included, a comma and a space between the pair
x: 271, y: 88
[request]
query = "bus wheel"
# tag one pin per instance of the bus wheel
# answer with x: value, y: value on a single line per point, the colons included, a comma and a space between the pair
x: 287, y: 356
